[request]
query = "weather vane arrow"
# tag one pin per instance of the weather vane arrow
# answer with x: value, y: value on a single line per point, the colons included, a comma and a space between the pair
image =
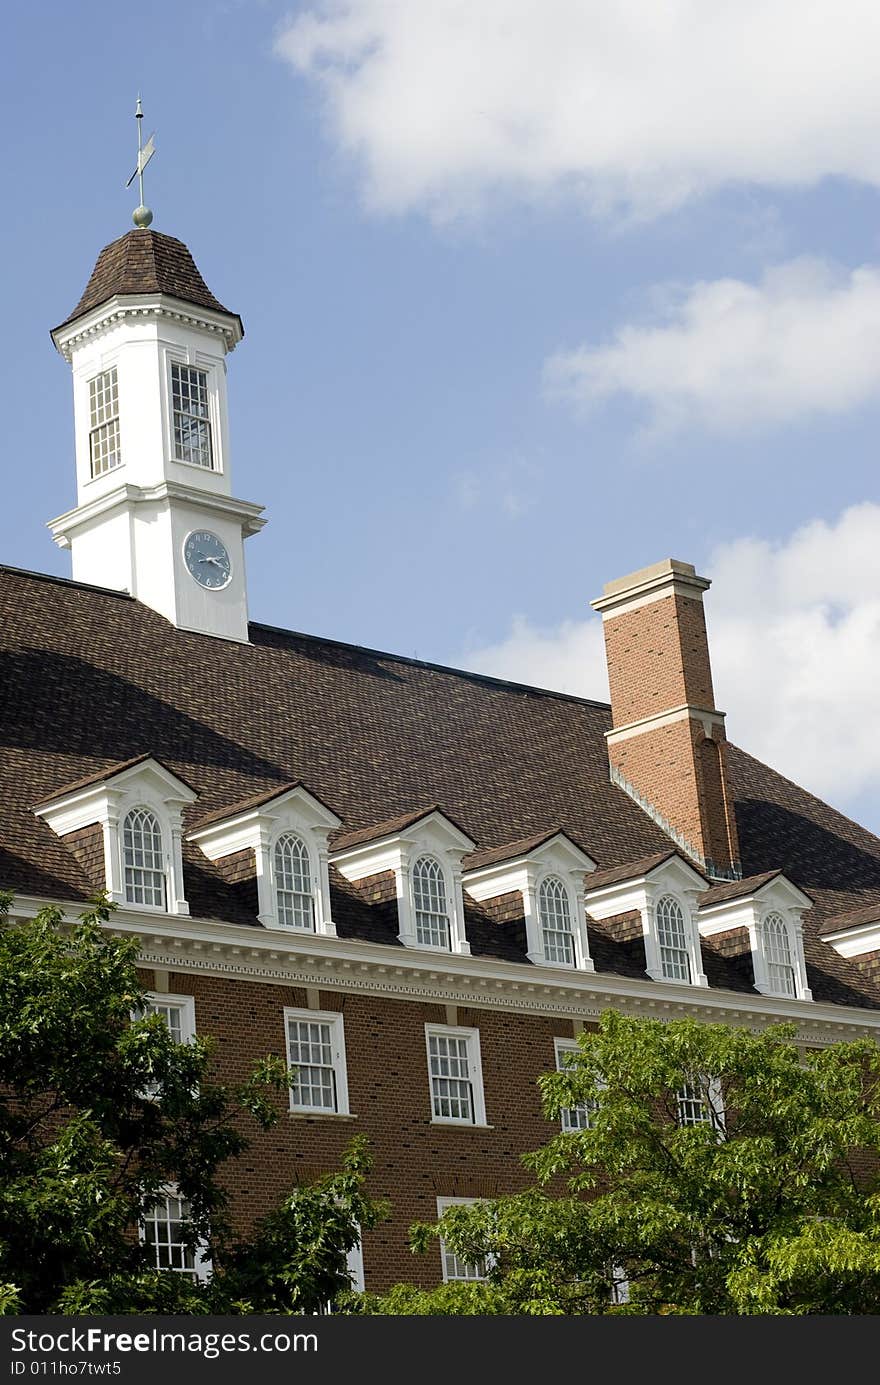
x: 142, y: 216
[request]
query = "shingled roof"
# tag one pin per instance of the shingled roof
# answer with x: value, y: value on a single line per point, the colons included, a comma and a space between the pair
x: 91, y: 678
x: 144, y: 261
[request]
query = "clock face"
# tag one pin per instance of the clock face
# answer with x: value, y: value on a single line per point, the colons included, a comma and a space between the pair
x: 207, y: 559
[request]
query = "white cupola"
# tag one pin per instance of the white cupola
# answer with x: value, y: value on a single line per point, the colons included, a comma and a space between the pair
x: 155, y: 515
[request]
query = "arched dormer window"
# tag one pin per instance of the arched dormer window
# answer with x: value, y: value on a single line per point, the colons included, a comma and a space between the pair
x: 143, y: 858
x: 780, y: 967
x: 555, y: 914
x: 294, y: 892
x: 675, y: 962
x: 430, y: 904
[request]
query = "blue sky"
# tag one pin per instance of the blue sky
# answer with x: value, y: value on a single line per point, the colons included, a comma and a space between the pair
x: 535, y: 294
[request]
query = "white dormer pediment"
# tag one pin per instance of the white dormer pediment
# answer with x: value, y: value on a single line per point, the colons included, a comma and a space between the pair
x: 258, y: 824
x: 642, y: 888
x: 107, y: 798
x: 399, y: 846
x: 751, y: 907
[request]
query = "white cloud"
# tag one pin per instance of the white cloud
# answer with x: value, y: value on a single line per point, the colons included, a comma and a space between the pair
x: 635, y: 104
x: 795, y: 641
x: 729, y: 355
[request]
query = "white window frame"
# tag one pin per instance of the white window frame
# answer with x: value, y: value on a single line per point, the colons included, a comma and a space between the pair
x: 671, y: 897
x: 471, y: 1037
x: 95, y: 428
x: 556, y: 878
x: 560, y: 1048
x: 794, y: 950
x: 334, y: 1019
x: 432, y: 860
x: 289, y: 834
x: 185, y: 1003
x: 442, y: 1204
x: 165, y: 857
x: 200, y: 368
x: 203, y: 1266
x: 718, y: 1123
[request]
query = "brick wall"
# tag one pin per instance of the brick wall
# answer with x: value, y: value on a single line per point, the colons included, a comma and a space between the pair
x: 658, y: 658
x: 415, y: 1161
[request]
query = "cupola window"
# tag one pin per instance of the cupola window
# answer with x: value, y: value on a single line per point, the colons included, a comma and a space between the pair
x: 104, y: 448
x: 191, y: 421
x: 675, y: 961
x: 293, y: 884
x: 429, y: 900
x: 143, y: 859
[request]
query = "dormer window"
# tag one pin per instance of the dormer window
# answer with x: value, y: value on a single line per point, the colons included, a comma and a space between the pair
x: 429, y: 903
x: 279, y: 839
x: 104, y: 451
x: 293, y: 883
x: 143, y: 857
x: 663, y: 890
x: 132, y: 812
x: 424, y: 849
x: 548, y: 871
x: 190, y: 416
x: 555, y: 914
x: 780, y: 970
x: 672, y: 939
x: 762, y: 912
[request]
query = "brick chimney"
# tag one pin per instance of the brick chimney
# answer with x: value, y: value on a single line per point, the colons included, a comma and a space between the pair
x: 667, y: 747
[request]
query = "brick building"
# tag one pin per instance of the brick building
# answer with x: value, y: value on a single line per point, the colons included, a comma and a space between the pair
x: 415, y: 883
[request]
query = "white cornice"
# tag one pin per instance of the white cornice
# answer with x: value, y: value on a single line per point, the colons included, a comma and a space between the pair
x: 210, y: 947
x: 126, y: 495
x: 855, y: 941
x: 146, y: 305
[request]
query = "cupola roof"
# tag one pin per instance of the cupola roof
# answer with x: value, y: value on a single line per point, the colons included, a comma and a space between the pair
x: 144, y: 261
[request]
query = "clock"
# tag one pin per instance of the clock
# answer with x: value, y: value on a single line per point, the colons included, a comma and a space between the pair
x: 207, y: 560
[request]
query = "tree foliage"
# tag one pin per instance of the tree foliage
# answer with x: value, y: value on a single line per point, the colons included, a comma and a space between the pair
x: 101, y: 1111
x: 770, y: 1205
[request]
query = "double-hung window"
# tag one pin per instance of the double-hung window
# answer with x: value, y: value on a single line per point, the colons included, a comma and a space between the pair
x: 316, y: 1053
x: 455, y: 1075
x: 556, y: 930
x: 675, y: 962
x: 164, y: 1231
x: 572, y: 1117
x: 456, y: 1271
x: 430, y: 903
x: 144, y: 860
x: 191, y: 416
x: 104, y: 450
x: 780, y: 966
x: 293, y: 884
x: 179, y: 1014
x: 699, y: 1102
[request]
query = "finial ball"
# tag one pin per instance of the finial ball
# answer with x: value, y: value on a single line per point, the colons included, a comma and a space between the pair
x: 142, y: 216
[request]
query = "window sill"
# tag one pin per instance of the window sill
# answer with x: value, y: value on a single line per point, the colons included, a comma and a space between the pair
x: 461, y: 1125
x: 322, y: 1116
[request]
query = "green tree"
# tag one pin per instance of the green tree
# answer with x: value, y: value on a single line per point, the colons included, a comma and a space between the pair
x: 100, y: 1113
x: 768, y: 1203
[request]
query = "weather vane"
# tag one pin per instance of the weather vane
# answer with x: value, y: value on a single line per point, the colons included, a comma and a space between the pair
x: 142, y: 216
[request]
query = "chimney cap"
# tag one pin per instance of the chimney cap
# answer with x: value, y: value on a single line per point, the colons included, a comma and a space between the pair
x: 650, y: 583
